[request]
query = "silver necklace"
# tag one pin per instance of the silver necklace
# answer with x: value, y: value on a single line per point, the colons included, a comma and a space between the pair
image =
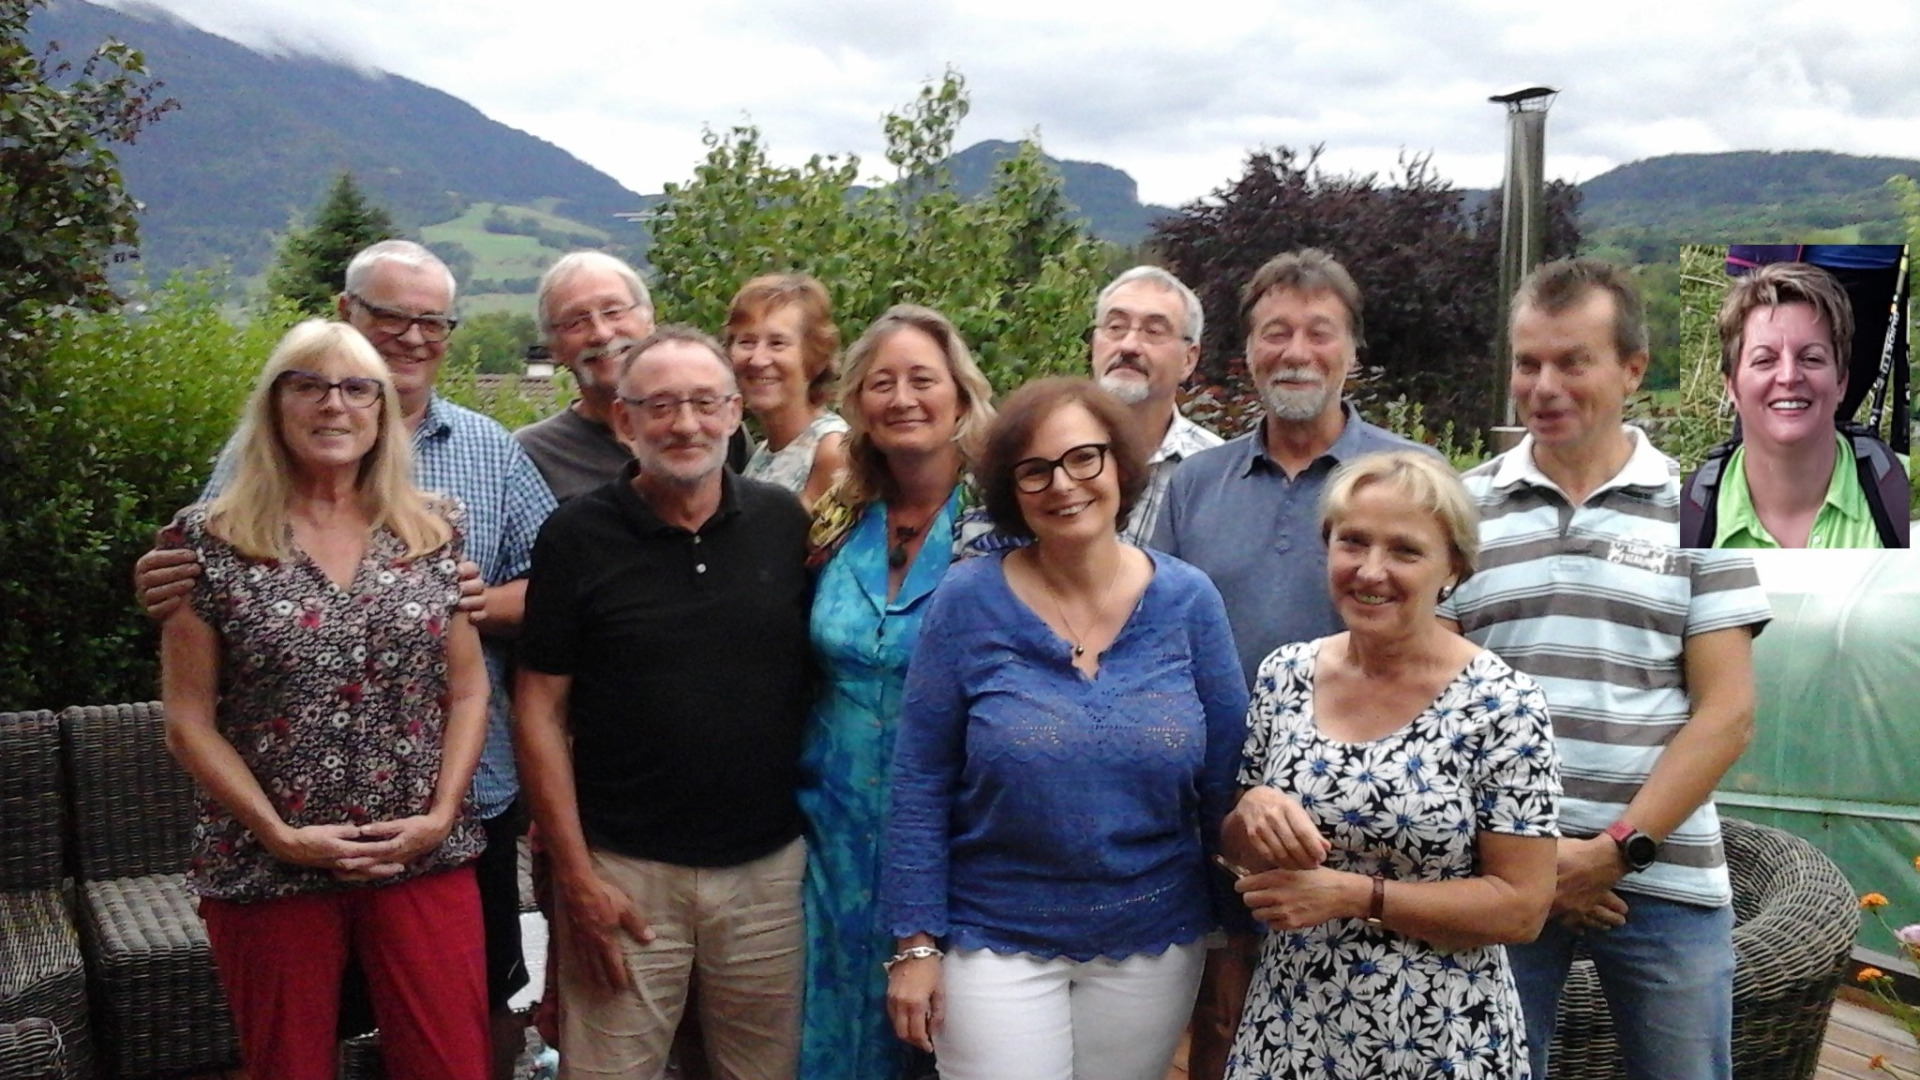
x: 1060, y: 609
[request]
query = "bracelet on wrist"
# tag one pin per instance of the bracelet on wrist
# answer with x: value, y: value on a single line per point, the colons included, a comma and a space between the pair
x: 915, y: 952
x: 1377, y: 902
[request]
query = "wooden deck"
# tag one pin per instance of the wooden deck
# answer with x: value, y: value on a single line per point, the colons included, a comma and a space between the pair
x: 1855, y: 1034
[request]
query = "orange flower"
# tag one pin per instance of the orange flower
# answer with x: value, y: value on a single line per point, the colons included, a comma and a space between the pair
x: 1873, y: 900
x: 1916, y: 862
x: 1877, y: 1061
x: 1870, y: 975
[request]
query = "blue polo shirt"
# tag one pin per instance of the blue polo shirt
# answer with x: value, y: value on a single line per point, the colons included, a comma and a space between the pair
x: 1233, y: 512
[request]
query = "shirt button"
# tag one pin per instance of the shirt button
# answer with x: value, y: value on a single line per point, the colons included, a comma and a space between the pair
x: 699, y: 568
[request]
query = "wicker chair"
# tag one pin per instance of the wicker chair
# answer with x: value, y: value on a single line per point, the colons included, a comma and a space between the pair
x: 157, y: 999
x: 41, y: 972
x: 1794, y: 921
x: 32, y: 1049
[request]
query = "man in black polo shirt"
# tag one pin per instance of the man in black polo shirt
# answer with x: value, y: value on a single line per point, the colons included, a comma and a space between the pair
x: 665, y: 677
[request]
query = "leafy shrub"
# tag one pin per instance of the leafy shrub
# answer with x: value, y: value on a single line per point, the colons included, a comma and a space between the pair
x: 114, y: 431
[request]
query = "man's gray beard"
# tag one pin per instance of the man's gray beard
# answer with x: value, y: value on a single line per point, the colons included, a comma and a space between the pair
x: 1296, y: 406
x: 1129, y: 391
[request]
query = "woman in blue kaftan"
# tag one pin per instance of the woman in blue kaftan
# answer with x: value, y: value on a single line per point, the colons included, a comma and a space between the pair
x: 883, y: 537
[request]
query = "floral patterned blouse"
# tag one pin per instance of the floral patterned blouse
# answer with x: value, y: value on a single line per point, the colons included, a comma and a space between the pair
x: 335, y: 698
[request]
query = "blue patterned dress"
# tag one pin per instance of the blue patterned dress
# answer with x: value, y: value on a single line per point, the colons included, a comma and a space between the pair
x: 1344, y: 1000
x: 863, y: 643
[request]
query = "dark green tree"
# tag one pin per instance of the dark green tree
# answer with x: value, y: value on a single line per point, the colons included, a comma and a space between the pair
x: 1011, y: 268
x: 64, y: 212
x: 312, y: 261
x: 495, y: 342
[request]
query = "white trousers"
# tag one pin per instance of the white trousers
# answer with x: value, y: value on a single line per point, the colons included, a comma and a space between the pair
x: 1018, y: 1017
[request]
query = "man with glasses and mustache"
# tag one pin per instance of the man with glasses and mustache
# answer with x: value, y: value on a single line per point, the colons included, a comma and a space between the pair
x: 665, y: 679
x: 592, y: 308
x: 1146, y: 342
x: 400, y: 296
x: 1248, y: 514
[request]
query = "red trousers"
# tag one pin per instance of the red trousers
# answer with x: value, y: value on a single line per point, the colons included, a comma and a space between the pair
x: 421, y: 945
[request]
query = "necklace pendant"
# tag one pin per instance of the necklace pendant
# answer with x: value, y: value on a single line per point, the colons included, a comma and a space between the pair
x: 1079, y: 651
x: 897, y: 556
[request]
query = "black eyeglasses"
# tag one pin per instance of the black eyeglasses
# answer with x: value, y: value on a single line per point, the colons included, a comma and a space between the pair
x: 667, y: 406
x: 356, y: 390
x: 433, y: 328
x: 1034, y: 475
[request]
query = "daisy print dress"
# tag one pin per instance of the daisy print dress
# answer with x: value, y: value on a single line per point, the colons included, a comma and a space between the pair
x: 1344, y: 999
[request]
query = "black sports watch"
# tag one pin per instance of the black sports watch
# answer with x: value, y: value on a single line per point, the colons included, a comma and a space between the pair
x: 1639, y: 849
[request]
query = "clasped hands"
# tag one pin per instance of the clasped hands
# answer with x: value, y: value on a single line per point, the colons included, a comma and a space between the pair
x: 1288, y: 885
x: 358, y: 853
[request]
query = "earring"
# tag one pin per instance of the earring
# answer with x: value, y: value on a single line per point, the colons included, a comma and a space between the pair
x: 1446, y: 591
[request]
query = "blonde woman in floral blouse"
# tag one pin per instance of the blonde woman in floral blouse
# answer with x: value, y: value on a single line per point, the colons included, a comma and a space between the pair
x: 331, y: 704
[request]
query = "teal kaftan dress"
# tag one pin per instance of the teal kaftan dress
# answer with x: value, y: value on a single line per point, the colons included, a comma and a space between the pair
x: 863, y: 644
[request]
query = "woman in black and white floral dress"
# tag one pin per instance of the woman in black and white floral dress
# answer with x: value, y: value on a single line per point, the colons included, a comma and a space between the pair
x: 1399, y: 813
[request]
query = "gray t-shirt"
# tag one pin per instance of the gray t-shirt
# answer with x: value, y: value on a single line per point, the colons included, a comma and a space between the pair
x: 573, y: 453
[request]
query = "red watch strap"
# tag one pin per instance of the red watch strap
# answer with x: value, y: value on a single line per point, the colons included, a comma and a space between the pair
x: 1619, y: 831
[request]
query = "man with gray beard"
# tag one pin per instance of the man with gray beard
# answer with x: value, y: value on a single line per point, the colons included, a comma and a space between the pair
x: 1248, y: 513
x: 592, y: 308
x: 1146, y: 342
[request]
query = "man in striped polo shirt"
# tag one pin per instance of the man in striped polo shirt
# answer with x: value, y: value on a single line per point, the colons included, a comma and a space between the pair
x: 1644, y: 651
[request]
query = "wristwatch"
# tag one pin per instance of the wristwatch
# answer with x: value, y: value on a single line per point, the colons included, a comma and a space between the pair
x: 1636, y: 847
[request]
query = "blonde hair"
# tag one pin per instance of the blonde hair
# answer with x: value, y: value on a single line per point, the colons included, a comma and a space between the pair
x: 1429, y: 483
x: 253, y: 512
x: 867, y: 478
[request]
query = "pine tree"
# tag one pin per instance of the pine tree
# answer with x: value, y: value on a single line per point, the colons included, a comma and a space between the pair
x: 312, y: 263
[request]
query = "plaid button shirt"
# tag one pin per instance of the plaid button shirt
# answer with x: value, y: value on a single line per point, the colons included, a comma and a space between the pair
x: 1184, y: 439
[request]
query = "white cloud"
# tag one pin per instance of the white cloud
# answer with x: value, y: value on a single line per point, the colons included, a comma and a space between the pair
x: 1174, y: 94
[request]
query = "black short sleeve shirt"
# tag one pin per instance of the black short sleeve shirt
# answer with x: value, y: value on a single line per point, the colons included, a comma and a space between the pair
x: 691, y: 668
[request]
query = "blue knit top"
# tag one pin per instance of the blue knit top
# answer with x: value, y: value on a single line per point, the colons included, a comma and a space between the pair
x: 1037, y: 810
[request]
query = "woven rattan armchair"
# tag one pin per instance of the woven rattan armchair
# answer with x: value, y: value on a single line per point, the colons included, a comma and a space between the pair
x: 41, y: 973
x: 1794, y: 921
x: 32, y: 1049
x: 158, y: 1004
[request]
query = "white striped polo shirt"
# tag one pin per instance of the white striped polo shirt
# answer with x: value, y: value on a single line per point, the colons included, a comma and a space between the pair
x: 1596, y: 603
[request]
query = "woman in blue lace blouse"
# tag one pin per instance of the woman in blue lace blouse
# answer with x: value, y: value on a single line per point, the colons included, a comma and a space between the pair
x: 1073, y: 722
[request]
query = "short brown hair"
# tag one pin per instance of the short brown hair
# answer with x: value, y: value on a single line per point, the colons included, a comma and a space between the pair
x: 819, y: 337
x: 1427, y: 482
x: 1785, y: 283
x: 1308, y: 270
x: 1552, y: 288
x: 1020, y: 418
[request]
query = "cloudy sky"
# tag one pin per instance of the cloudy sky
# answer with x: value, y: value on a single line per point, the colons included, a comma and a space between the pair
x: 1174, y: 93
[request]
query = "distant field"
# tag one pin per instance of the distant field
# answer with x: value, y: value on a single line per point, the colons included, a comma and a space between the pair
x: 504, y: 256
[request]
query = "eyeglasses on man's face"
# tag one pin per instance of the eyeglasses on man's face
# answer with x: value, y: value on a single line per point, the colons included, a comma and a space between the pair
x: 356, y: 390
x: 574, y: 324
x: 1154, y: 329
x: 1034, y: 475
x: 433, y: 328
x: 663, y: 407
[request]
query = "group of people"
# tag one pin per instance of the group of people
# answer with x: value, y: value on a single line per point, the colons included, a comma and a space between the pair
x: 1028, y: 737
